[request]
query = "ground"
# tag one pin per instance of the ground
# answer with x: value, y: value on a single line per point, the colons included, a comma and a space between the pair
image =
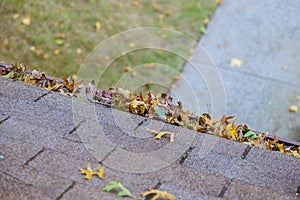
x: 56, y: 36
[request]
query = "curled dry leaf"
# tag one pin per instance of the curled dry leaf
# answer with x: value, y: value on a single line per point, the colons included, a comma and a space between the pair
x: 159, y: 135
x: 157, y: 194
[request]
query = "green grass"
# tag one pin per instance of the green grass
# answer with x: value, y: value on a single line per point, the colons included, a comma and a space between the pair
x: 34, y: 44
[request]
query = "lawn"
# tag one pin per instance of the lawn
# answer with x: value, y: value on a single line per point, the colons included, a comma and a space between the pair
x: 56, y: 36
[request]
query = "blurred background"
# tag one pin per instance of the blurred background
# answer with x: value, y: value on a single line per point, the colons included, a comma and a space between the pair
x: 56, y: 36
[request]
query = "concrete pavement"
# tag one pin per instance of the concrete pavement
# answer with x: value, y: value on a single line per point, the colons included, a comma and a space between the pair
x: 265, y: 35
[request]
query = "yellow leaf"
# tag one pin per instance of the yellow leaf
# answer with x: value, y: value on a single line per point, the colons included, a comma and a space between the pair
x: 127, y: 68
x: 55, y: 87
x: 137, y: 107
x: 98, y: 26
x: 295, y: 154
x: 205, y: 21
x: 56, y: 52
x: 78, y: 51
x: 298, y: 98
x: 236, y: 62
x: 15, y: 16
x: 107, y: 58
x: 219, y: 2
x: 293, y: 108
x: 232, y: 130
x: 157, y: 194
x: 32, y: 48
x: 168, y: 12
x: 160, y: 16
x: 280, y: 147
x: 135, y: 3
x: 89, y: 172
x: 26, y: 21
x: 132, y: 45
x: 161, y: 134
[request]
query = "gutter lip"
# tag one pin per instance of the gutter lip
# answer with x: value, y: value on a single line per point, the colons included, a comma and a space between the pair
x: 270, y: 136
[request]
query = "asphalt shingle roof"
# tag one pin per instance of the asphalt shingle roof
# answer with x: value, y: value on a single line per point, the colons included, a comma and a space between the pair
x: 42, y: 149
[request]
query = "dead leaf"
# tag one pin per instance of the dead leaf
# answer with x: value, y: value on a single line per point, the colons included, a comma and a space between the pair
x: 236, y: 62
x: 219, y: 2
x: 293, y: 108
x: 135, y: 3
x: 159, y: 135
x: 89, y: 172
x: 26, y: 21
x: 137, y: 107
x: 107, y: 58
x: 16, y: 16
x: 205, y: 21
x: 295, y: 154
x: 280, y: 147
x: 78, y: 51
x: 157, y: 194
x: 132, y: 45
x: 160, y: 16
x: 127, y: 69
x: 60, y: 35
x: 97, y: 26
x: 168, y: 12
x: 56, y: 52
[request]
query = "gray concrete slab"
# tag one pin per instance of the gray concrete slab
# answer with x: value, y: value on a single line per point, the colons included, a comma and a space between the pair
x: 266, y: 36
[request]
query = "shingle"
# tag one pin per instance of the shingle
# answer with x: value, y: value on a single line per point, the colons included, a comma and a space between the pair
x: 12, y: 189
x: 242, y: 190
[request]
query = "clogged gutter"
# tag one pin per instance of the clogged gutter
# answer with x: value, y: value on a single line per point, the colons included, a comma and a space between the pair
x: 155, y: 106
